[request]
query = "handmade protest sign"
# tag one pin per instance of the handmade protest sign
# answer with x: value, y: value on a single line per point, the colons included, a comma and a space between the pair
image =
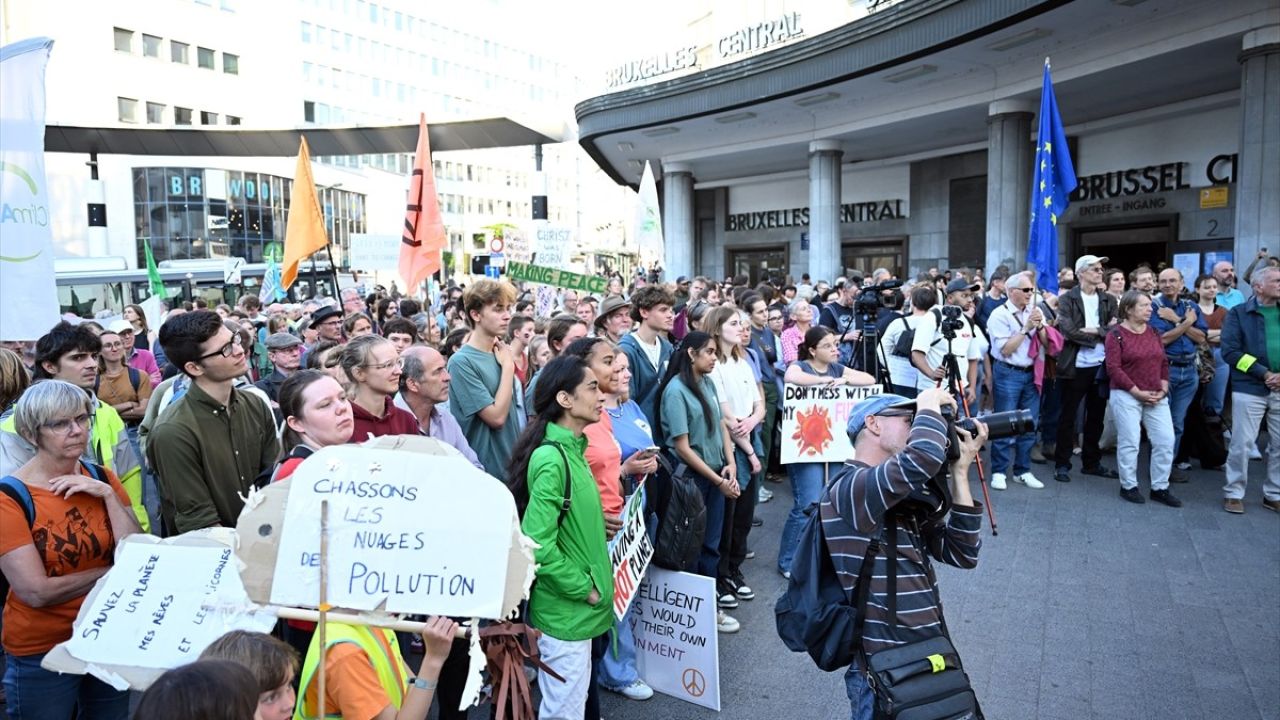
x: 160, y: 606
x: 558, y: 278
x: 630, y: 551
x: 408, y: 533
x: 814, y: 418
x: 673, y: 617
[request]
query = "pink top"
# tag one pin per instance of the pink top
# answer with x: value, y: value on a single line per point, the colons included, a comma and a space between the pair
x: 792, y: 338
x: 144, y: 361
x: 1135, y: 360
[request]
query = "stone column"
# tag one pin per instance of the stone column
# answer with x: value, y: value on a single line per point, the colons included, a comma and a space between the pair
x: 1009, y: 170
x: 824, y: 211
x: 677, y: 220
x: 1258, y: 182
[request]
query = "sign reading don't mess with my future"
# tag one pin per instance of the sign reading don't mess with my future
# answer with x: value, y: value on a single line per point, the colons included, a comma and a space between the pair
x: 423, y: 534
x: 814, y: 421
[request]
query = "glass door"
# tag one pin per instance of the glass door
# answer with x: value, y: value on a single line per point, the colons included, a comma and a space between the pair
x: 759, y: 264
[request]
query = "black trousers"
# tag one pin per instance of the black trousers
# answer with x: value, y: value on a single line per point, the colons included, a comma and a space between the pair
x: 738, y: 514
x: 1083, y: 387
x: 453, y: 678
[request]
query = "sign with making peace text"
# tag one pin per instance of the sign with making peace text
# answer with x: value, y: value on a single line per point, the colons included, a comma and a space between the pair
x: 814, y: 420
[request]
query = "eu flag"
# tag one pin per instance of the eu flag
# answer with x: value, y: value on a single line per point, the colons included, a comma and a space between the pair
x: 1051, y: 185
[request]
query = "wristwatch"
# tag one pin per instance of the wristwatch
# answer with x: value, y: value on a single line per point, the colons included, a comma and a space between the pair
x: 422, y: 683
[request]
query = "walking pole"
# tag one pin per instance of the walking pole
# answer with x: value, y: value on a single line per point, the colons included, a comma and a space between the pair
x: 324, y: 598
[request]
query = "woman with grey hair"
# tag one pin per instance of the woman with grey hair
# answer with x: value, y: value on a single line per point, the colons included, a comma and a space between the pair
x: 56, y: 496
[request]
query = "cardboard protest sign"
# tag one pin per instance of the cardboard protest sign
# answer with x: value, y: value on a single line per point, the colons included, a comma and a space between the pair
x: 408, y: 533
x: 673, y: 617
x: 814, y: 418
x: 160, y: 606
x: 630, y: 551
x: 555, y: 277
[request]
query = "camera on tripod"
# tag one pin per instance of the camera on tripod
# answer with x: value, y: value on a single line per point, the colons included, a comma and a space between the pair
x: 871, y: 299
x: 951, y: 321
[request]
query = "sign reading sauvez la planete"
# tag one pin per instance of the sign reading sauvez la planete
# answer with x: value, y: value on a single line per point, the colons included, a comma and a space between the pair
x: 557, y: 278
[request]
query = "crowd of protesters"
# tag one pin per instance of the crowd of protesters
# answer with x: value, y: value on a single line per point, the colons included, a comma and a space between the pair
x: 161, y: 425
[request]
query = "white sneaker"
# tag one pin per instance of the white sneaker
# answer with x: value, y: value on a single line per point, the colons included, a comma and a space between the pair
x: 637, y: 690
x: 1183, y: 466
x: 765, y: 495
x: 1029, y: 480
x: 997, y: 481
x: 726, y: 624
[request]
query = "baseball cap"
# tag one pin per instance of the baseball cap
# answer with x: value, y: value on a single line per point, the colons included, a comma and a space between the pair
x: 120, y: 326
x: 874, y: 405
x: 1087, y: 260
x: 682, y: 279
x: 961, y: 284
x: 281, y: 341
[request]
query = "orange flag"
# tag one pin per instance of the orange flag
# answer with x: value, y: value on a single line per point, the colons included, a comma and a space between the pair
x: 424, y: 235
x: 304, y: 228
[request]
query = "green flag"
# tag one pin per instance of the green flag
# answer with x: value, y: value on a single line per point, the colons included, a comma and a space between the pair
x: 153, y: 273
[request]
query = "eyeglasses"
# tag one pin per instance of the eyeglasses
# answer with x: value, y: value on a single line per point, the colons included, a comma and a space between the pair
x: 225, y: 351
x: 398, y: 363
x: 64, y: 425
x: 825, y: 346
x: 774, y: 318
x: 909, y: 414
x: 112, y: 346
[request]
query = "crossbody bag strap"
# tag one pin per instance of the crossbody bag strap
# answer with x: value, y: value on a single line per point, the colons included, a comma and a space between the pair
x: 863, y: 588
x: 566, y: 500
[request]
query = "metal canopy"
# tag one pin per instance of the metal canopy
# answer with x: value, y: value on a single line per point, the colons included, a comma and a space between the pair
x: 232, y: 142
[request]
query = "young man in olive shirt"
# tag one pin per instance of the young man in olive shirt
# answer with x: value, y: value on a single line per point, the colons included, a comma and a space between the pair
x: 212, y: 443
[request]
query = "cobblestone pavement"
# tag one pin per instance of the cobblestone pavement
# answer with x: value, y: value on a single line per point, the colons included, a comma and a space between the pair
x: 1084, y: 606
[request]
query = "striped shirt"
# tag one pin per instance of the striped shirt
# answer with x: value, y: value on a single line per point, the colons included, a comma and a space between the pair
x: 853, y: 513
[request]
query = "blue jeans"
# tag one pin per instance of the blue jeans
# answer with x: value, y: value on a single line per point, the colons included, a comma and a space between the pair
x: 709, y: 556
x: 807, y: 483
x: 861, y: 699
x: 616, y: 672
x: 1014, y: 389
x: 34, y: 693
x: 1215, y: 392
x: 1183, y: 383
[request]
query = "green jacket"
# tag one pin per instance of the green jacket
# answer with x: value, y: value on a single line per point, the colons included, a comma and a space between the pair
x: 573, y: 556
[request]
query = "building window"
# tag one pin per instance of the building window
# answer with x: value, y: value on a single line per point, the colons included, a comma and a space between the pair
x: 208, y: 118
x: 233, y: 120
x: 308, y: 111
x: 178, y: 52
x: 230, y: 64
x: 204, y: 58
x: 124, y: 40
x: 151, y: 46
x: 181, y: 116
x: 155, y: 113
x: 127, y: 108
x: 306, y: 33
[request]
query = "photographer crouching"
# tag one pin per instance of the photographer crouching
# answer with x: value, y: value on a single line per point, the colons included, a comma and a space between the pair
x: 884, y: 515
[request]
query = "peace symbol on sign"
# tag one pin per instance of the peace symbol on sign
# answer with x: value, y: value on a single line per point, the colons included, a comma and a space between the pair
x: 694, y: 683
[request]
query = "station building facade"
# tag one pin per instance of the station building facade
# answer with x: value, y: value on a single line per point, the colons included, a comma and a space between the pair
x: 906, y: 139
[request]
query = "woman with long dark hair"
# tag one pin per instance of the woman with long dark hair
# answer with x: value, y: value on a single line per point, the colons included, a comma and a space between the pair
x: 694, y: 432
x: 572, y: 603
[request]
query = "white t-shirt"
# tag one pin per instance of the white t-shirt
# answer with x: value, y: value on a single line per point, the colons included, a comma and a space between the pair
x: 1091, y: 356
x: 735, y: 384
x: 964, y: 347
x: 652, y: 351
x: 901, y: 371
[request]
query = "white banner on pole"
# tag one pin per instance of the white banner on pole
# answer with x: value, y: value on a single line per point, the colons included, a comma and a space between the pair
x: 374, y: 252
x: 814, y: 419
x: 26, y: 238
x: 673, y: 617
x: 630, y: 551
x: 648, y: 223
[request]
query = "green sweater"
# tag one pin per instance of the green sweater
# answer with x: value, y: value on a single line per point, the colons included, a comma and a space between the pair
x: 573, y: 556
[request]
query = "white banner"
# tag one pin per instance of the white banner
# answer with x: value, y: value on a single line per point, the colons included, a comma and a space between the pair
x: 434, y: 542
x: 26, y: 240
x: 814, y: 421
x: 552, y: 245
x: 673, y: 617
x: 648, y: 224
x: 159, y: 607
x: 374, y: 252
x: 630, y: 552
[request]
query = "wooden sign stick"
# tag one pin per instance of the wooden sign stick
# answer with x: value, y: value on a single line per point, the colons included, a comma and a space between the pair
x: 324, y: 600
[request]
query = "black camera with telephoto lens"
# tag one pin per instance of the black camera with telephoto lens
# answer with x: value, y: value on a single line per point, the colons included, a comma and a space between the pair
x: 871, y: 299
x: 1010, y: 423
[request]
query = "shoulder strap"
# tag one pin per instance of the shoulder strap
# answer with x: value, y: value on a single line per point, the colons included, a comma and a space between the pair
x: 567, y: 499
x: 863, y: 589
x: 18, y: 492
x: 135, y: 377
x: 94, y: 471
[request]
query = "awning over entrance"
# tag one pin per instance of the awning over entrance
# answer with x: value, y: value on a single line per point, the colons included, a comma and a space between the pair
x: 233, y: 142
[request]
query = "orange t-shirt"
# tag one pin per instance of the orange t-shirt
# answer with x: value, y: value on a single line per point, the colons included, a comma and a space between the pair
x: 351, y: 689
x: 605, y: 458
x: 71, y: 535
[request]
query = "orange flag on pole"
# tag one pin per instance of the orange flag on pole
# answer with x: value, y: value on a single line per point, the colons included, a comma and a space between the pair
x: 304, y: 228
x: 424, y: 235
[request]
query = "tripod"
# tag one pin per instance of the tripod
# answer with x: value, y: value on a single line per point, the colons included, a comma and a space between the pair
x: 865, y: 352
x: 955, y: 385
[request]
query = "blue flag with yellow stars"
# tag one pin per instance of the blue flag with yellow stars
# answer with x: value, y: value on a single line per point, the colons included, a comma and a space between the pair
x: 1051, y: 185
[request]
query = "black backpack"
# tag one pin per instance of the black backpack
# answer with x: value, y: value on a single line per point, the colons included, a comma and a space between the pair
x: 682, y: 516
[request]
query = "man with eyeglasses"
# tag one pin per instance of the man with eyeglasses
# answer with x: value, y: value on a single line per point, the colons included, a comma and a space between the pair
x: 70, y: 352
x: 214, y: 441
x: 327, y: 322
x: 285, y: 353
x: 1085, y: 314
x: 1018, y: 340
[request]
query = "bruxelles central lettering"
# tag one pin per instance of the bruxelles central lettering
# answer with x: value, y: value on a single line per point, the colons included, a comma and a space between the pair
x: 799, y: 217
